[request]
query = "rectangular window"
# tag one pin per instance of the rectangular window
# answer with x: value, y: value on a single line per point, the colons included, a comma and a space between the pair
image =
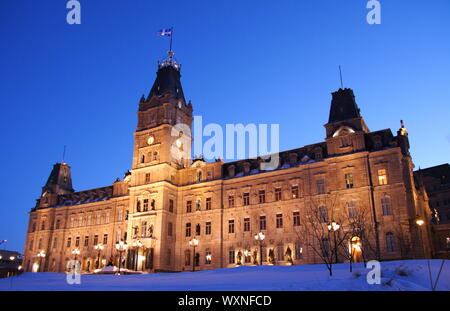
x: 231, y: 201
x: 171, y: 205
x: 72, y: 222
x: 77, y: 241
x: 390, y: 242
x: 264, y: 253
x: 145, y: 205
x: 208, y: 204
x: 97, y: 219
x: 386, y: 206
x: 323, y: 214
x: 40, y: 244
x: 262, y: 196
x: 31, y: 245
x: 169, y: 257
x: 120, y: 215
x: 351, y: 210
x: 294, y: 190
x: 187, y: 257
x: 80, y: 221
x: 246, y: 198
x: 277, y: 194
x: 382, y: 177
x: 69, y: 242
x: 169, y: 229
x: 105, y: 239
x: 188, y: 206
x: 320, y: 186
x: 247, y: 224
x: 298, y: 250
x: 296, y: 217
x: 198, y: 230
x: 325, y: 246
x: 58, y: 222
x: 86, y: 240
x: 262, y: 222
x: 188, y: 229
x: 279, y: 221
x: 55, y: 242
x: 107, y: 218
x: 231, y: 257
x: 147, y: 178
x: 231, y: 226
x: 349, y: 180
x: 280, y: 252
x: 208, y: 228
x: 95, y: 239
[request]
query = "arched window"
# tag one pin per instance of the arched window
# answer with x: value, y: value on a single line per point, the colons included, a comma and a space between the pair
x: 143, y: 159
x: 390, y: 242
x: 199, y: 176
x: 155, y: 156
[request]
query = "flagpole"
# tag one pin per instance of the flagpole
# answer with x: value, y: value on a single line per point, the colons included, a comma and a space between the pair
x: 171, y: 36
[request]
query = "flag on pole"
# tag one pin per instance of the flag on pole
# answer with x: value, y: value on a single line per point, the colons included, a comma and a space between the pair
x: 165, y: 32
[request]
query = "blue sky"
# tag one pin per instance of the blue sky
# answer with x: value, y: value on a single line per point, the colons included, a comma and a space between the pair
x: 243, y: 62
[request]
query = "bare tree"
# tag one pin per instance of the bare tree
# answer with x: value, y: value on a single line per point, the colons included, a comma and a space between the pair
x: 317, y: 235
x: 404, y: 242
x: 360, y: 236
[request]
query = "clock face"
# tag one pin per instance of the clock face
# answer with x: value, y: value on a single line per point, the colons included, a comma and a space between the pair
x: 151, y: 140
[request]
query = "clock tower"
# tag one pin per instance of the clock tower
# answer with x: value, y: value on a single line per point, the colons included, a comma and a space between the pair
x: 162, y: 146
x: 163, y: 133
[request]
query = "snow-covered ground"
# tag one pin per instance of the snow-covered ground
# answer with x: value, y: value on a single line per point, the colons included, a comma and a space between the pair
x: 396, y: 275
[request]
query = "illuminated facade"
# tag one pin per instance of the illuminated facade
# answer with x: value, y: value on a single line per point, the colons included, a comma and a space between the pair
x: 167, y: 199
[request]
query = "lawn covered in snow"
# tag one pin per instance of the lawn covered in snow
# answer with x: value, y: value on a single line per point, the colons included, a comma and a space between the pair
x: 396, y: 275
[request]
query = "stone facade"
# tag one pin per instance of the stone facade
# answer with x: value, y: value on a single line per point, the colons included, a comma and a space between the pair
x: 167, y: 198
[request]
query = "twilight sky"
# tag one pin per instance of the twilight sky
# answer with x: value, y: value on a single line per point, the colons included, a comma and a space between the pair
x: 243, y: 62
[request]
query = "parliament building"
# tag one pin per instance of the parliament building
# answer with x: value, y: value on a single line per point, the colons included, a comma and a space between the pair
x: 173, y: 213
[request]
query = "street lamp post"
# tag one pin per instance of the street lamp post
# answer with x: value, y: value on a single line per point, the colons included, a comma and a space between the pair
x: 260, y: 238
x: 193, y: 243
x: 137, y: 245
x: 334, y: 226
x: 41, y: 256
x: 420, y: 222
x: 121, y: 246
x: 98, y: 248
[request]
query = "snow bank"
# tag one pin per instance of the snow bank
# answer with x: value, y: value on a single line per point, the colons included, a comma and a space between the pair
x: 396, y: 275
